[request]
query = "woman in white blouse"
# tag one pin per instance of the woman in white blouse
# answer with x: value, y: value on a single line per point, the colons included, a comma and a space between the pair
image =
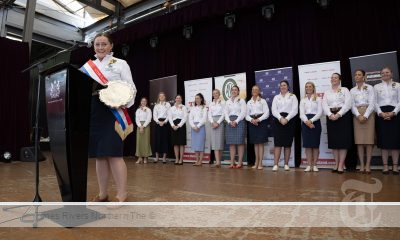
x: 235, y: 132
x: 143, y: 119
x: 310, y: 114
x: 177, y: 117
x: 197, y: 120
x: 162, y: 129
x: 104, y: 143
x: 216, y: 118
x: 388, y: 127
x: 363, y: 105
x: 257, y: 115
x: 336, y: 104
x: 284, y: 109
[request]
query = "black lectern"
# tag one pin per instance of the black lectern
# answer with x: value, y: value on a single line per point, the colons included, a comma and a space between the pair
x: 68, y: 99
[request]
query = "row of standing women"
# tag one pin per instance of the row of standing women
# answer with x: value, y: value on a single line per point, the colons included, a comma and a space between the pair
x: 346, y: 112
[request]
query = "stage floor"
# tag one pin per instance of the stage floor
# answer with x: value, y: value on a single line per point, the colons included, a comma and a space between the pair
x: 170, y: 183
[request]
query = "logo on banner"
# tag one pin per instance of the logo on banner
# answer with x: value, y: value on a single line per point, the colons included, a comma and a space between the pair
x: 55, y: 89
x: 362, y: 217
x: 226, y: 88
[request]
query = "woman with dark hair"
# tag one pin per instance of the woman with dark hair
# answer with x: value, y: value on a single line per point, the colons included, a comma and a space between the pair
x: 143, y: 119
x: 388, y: 128
x: 197, y: 120
x: 363, y: 105
x: 257, y: 115
x: 310, y: 114
x: 235, y: 112
x: 162, y: 129
x: 336, y: 104
x: 284, y: 109
x: 177, y: 117
x: 105, y: 144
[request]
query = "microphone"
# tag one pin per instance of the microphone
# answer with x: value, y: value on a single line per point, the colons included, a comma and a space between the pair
x: 81, y: 43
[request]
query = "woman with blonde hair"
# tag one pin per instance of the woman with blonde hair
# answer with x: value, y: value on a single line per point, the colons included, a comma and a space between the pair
x: 257, y: 115
x: 310, y: 114
x: 162, y: 130
x: 216, y: 119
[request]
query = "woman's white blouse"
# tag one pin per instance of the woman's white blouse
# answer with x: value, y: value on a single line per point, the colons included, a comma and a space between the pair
x: 340, y: 99
x: 161, y: 111
x: 257, y: 107
x: 365, y: 96
x: 198, y: 114
x: 216, y: 108
x: 285, y: 103
x: 116, y: 69
x: 387, y: 94
x: 177, y: 112
x: 311, y: 105
x: 235, y: 107
x: 143, y: 115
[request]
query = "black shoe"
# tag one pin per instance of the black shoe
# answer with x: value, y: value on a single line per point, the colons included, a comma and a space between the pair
x: 164, y: 162
x: 395, y: 172
x: 176, y: 163
x: 180, y: 163
x: 340, y: 172
x: 385, y: 172
x: 334, y: 170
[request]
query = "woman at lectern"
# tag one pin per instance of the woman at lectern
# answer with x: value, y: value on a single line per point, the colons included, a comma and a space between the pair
x: 388, y: 128
x: 310, y: 114
x: 106, y: 136
x: 363, y: 106
x: 177, y: 117
x: 235, y: 113
x: 284, y: 109
x: 337, y: 104
x: 257, y: 116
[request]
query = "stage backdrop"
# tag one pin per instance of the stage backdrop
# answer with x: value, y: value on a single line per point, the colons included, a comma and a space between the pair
x: 193, y: 87
x: 224, y: 84
x: 320, y: 75
x: 168, y: 85
x: 372, y: 65
x: 268, y: 81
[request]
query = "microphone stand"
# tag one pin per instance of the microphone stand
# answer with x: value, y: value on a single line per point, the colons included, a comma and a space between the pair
x: 39, y: 65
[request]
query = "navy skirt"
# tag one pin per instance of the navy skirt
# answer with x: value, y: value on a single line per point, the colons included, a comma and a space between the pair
x: 179, y: 136
x: 104, y: 141
x: 284, y: 134
x: 258, y: 134
x: 162, y: 136
x: 388, y: 131
x: 340, y: 132
x: 311, y: 136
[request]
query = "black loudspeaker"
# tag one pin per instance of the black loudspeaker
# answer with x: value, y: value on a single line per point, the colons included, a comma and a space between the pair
x: 27, y: 154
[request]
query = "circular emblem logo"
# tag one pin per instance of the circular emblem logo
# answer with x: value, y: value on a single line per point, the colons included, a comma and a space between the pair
x: 226, y: 88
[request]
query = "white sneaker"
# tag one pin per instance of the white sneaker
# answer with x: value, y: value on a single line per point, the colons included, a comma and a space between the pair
x: 287, y: 168
x: 308, y: 169
x: 275, y: 168
x: 315, y: 169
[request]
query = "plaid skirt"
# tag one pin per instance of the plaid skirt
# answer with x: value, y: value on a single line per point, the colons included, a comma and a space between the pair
x: 235, y: 136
